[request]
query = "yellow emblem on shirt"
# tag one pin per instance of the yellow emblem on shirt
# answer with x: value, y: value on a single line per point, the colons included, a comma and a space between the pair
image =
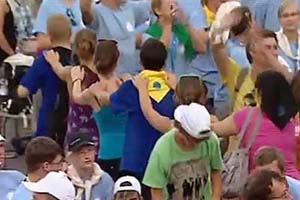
x: 158, y: 87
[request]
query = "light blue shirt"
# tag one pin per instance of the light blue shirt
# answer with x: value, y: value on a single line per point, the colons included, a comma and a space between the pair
x: 51, y: 7
x: 103, y: 190
x: 22, y: 193
x: 266, y: 14
x: 119, y: 24
x: 294, y: 187
x: 249, y: 3
x: 237, y: 51
x: 204, y: 64
x: 9, y: 181
x: 294, y: 64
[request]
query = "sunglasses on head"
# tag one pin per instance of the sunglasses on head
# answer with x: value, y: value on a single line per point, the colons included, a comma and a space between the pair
x: 104, y: 40
x: 71, y: 16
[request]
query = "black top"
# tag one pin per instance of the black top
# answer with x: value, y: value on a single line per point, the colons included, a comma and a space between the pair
x: 9, y: 30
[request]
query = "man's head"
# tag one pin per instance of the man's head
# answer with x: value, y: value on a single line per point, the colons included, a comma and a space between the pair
x: 265, y: 184
x: 263, y: 42
x: 43, y: 155
x: 271, y: 159
x: 127, y: 188
x: 83, y: 150
x: 162, y: 8
x: 153, y: 55
x: 59, y: 29
x: 289, y: 15
x: 54, y: 186
x: 193, y: 122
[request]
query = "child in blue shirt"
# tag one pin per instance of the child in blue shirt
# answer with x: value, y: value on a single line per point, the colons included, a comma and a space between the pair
x: 140, y: 136
x: 54, y: 109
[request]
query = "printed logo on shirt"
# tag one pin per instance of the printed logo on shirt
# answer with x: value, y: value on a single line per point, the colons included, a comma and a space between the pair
x: 188, y: 180
x: 129, y: 27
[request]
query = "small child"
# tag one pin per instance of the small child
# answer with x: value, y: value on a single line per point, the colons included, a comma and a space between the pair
x: 52, y: 120
x: 271, y: 159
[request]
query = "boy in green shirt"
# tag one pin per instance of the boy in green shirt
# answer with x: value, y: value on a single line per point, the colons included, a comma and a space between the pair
x: 186, y: 162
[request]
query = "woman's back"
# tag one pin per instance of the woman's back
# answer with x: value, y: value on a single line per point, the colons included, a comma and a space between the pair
x: 270, y: 135
x: 80, y: 118
x: 112, y: 129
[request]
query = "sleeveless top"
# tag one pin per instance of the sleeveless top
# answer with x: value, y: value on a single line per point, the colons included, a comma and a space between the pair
x: 80, y: 117
x: 112, y: 128
x: 9, y: 30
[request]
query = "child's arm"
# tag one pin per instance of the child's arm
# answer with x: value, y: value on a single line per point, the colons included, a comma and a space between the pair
x: 159, y: 122
x: 64, y: 73
x: 216, y: 181
x: 22, y: 91
x: 79, y: 96
x: 156, y: 194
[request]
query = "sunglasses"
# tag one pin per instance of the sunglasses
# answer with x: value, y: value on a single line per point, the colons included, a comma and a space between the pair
x: 105, y: 40
x: 71, y: 16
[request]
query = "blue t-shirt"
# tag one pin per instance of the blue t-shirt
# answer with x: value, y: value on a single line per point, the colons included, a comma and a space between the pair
x: 266, y: 14
x: 237, y: 51
x: 294, y: 187
x: 294, y: 63
x: 51, y: 7
x: 22, y: 193
x: 140, y: 135
x: 112, y: 129
x: 119, y: 24
x: 9, y: 182
x: 41, y: 76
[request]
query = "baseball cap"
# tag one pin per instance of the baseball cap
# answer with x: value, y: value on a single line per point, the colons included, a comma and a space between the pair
x: 56, y: 184
x: 194, y: 119
x: 2, y: 139
x: 127, y: 183
x: 77, y: 140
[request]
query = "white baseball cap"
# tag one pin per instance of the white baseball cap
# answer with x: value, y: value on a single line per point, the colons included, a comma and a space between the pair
x: 2, y: 139
x: 194, y: 119
x: 56, y: 184
x: 127, y: 183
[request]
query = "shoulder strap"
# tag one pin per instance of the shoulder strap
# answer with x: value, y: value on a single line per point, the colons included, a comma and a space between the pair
x: 256, y: 127
x: 245, y: 126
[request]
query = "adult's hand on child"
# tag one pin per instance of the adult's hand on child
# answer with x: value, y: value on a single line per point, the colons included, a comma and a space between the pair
x: 52, y: 57
x: 171, y: 80
x: 77, y: 73
x: 141, y: 83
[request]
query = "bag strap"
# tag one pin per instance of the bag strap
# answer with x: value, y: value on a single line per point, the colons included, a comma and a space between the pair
x: 297, y: 133
x: 245, y: 127
x: 257, y: 125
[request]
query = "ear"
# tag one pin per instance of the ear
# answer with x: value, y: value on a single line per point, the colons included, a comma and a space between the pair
x: 46, y: 166
x: 157, y: 11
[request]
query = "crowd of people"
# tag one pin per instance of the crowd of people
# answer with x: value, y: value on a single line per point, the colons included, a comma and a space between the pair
x: 157, y: 99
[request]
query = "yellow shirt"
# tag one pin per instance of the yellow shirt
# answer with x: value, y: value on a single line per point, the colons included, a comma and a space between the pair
x: 210, y: 16
x: 246, y: 94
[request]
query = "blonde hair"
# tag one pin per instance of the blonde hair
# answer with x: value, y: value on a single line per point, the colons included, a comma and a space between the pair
x: 59, y: 28
x: 284, y: 5
x: 85, y: 43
